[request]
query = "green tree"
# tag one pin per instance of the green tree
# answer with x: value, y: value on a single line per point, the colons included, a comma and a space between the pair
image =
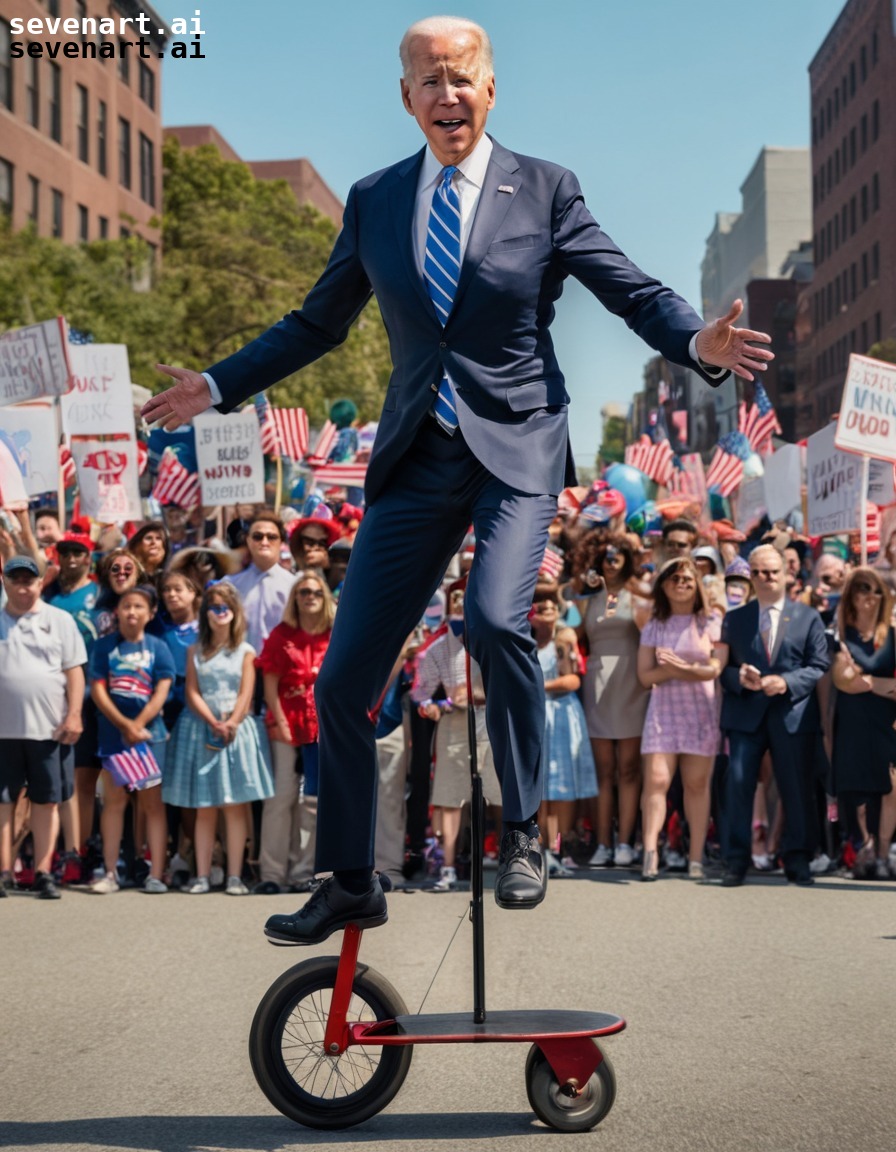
x: 884, y: 350
x: 612, y: 449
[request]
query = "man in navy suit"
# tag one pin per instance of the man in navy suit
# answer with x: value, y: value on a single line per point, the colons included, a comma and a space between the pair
x: 473, y: 429
x: 777, y: 653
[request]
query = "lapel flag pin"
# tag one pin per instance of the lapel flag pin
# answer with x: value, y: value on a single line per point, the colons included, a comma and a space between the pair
x: 505, y: 187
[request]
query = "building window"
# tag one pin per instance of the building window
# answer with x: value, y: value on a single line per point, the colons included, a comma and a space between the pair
x: 865, y: 335
x: 837, y: 294
x: 83, y: 224
x: 836, y: 103
x: 878, y: 328
x: 124, y: 232
x: 821, y: 123
x: 852, y: 147
x: 852, y: 216
x: 81, y: 13
x: 852, y: 78
x: 83, y: 123
x: 124, y: 152
x: 53, y: 7
x: 864, y: 271
x: 836, y: 231
x: 34, y: 210
x: 102, y: 130
x: 875, y: 263
x: 147, y: 171
x: 147, y: 85
x: 55, y: 103
x: 873, y: 48
x: 843, y: 216
x: 103, y: 222
x: 5, y: 66
x: 853, y: 280
x: 863, y: 63
x: 6, y: 187
x: 875, y: 120
x: 32, y: 93
x: 124, y: 63
x: 814, y: 131
x: 864, y: 196
x: 57, y: 214
x: 875, y: 192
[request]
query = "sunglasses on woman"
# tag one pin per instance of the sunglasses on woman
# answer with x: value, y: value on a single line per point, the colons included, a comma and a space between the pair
x: 306, y: 592
x: 866, y: 589
x: 313, y: 541
x: 122, y: 570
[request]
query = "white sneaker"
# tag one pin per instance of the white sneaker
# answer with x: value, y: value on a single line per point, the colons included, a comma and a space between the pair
x: 446, y: 881
x: 154, y: 886
x: 216, y: 875
x: 568, y: 862
x: 235, y: 887
x: 820, y: 864
x: 675, y: 862
x: 624, y: 856
x: 556, y: 870
x: 106, y: 884
x: 601, y: 857
x: 199, y: 887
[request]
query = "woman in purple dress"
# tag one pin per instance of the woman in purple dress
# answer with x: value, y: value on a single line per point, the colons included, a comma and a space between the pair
x: 679, y: 660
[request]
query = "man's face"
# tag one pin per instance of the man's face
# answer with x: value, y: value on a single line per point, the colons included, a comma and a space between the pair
x: 447, y: 94
x: 133, y: 614
x: 768, y: 578
x: 23, y: 592
x: 831, y: 572
x: 792, y: 561
x: 678, y: 543
x: 74, y: 564
x: 47, y: 530
x: 151, y: 550
x: 264, y: 544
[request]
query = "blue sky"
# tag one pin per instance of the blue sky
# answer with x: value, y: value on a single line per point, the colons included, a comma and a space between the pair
x: 660, y: 108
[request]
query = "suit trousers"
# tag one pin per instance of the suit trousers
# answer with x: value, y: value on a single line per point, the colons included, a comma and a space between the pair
x: 288, y: 821
x: 793, y: 769
x: 403, y: 546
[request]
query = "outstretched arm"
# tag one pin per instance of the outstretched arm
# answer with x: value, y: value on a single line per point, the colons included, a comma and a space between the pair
x: 724, y: 346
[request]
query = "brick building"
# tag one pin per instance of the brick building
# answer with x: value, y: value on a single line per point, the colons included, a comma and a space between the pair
x: 299, y: 174
x: 81, y: 134
x: 853, y: 296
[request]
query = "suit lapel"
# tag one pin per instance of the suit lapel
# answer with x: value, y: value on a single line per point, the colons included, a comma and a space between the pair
x: 757, y: 645
x: 490, y: 212
x: 402, y: 204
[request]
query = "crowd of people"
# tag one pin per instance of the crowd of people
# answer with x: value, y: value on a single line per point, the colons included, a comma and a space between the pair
x: 713, y: 704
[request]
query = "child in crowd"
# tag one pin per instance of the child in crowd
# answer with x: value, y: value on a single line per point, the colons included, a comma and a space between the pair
x: 217, y: 760
x: 181, y: 596
x: 131, y: 675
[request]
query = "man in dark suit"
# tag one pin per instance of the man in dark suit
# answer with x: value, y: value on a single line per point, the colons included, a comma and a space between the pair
x: 466, y: 246
x: 777, y: 653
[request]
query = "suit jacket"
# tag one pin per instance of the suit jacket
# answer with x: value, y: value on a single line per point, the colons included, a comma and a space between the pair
x: 530, y: 232
x: 800, y: 656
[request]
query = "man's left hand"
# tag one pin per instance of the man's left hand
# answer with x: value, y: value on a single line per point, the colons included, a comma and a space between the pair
x: 69, y: 731
x: 774, y: 685
x: 724, y: 346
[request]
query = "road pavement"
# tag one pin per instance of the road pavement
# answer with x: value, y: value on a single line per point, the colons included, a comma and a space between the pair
x: 760, y: 1018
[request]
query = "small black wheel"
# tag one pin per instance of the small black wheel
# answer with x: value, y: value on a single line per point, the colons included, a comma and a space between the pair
x: 286, y: 1047
x: 564, y: 1112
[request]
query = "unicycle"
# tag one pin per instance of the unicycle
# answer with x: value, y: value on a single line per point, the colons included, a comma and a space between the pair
x: 331, y: 1041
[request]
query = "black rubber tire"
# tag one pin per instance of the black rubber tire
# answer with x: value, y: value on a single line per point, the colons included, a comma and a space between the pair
x: 568, y: 1114
x: 306, y: 1085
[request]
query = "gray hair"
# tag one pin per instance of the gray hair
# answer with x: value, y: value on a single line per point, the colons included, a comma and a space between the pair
x: 447, y: 26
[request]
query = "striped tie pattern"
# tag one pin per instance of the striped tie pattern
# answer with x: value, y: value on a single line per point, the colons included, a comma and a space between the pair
x: 441, y: 270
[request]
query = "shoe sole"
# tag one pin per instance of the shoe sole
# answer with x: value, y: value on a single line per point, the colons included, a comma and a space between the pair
x: 284, y: 940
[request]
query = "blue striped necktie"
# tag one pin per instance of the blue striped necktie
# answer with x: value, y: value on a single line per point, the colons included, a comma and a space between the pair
x: 441, y: 270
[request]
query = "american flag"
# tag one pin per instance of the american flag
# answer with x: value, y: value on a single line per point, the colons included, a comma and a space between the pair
x: 872, y: 527
x: 552, y: 563
x: 339, y: 475
x: 284, y: 431
x: 174, y: 483
x: 654, y: 460
x: 142, y: 456
x: 78, y: 336
x: 759, y: 421
x: 324, y: 444
x: 67, y: 466
x: 134, y: 768
x: 726, y: 468
x: 688, y: 478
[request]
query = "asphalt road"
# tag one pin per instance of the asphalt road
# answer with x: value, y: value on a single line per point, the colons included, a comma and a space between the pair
x: 759, y: 1018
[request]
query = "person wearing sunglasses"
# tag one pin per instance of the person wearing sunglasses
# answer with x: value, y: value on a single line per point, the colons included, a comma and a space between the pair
x: 118, y: 572
x: 864, y: 740
x: 777, y: 653
x: 264, y: 586
x: 290, y: 662
x: 310, y: 540
x: 679, y: 660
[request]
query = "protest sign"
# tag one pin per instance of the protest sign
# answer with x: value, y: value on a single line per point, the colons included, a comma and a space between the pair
x: 13, y: 495
x: 107, y: 479
x: 32, y: 428
x: 231, y: 464
x: 834, y: 482
x: 751, y: 506
x: 101, y: 402
x: 782, y: 481
x: 34, y: 362
x: 867, y: 421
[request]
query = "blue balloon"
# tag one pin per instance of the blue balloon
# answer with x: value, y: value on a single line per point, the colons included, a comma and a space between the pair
x: 630, y: 482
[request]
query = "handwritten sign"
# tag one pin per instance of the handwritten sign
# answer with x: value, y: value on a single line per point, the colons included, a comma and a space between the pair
x: 34, y: 362
x: 867, y: 422
x: 751, y: 506
x: 107, y: 479
x: 32, y: 428
x: 101, y: 402
x: 834, y: 483
x: 231, y: 464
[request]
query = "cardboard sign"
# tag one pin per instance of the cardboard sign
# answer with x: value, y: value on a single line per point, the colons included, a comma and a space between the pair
x: 101, y: 402
x: 834, y: 483
x: 751, y: 506
x: 32, y: 428
x: 231, y: 464
x: 867, y: 421
x: 13, y: 495
x: 107, y: 479
x: 34, y: 362
x: 782, y: 481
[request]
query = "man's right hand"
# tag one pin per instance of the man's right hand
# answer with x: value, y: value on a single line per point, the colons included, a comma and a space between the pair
x: 179, y: 404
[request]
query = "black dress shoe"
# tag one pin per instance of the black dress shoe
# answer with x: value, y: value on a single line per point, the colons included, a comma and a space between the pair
x: 45, y: 887
x: 732, y: 878
x: 522, y: 877
x: 330, y: 908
